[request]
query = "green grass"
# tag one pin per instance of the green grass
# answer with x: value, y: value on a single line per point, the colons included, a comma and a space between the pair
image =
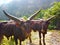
x: 5, y: 41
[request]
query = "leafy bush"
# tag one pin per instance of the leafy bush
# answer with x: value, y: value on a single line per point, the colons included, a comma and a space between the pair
x: 54, y: 10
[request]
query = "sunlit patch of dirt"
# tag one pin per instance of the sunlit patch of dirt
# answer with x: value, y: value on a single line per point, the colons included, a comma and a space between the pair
x: 51, y: 38
x: 55, y: 38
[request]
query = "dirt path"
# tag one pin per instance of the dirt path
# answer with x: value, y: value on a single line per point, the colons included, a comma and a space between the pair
x: 52, y: 38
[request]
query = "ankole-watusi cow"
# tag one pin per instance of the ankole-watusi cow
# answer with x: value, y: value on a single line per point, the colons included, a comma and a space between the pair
x: 37, y: 25
x: 20, y: 29
x: 41, y: 26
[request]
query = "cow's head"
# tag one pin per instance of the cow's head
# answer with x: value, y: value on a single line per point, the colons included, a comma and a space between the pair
x: 46, y: 23
x: 24, y: 25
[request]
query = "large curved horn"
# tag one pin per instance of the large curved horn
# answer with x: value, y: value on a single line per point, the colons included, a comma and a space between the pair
x: 11, y: 17
x: 50, y: 18
x: 31, y: 17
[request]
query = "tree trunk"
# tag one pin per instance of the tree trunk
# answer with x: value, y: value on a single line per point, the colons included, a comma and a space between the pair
x: 58, y: 25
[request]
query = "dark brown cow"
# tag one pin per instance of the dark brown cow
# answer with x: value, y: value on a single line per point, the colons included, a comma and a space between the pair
x: 17, y: 30
x: 41, y: 26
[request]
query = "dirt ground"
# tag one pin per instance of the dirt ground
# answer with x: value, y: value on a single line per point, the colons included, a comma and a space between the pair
x: 52, y: 38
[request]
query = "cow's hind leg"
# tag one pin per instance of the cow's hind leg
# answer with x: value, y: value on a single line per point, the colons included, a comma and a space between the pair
x: 16, y: 41
x: 1, y: 37
x: 44, y: 39
x: 20, y: 42
x: 30, y: 38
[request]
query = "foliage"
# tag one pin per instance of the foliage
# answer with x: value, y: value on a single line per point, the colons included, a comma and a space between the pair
x: 40, y: 15
x: 54, y: 10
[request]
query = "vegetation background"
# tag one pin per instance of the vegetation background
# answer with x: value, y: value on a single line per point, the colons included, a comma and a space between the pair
x: 54, y: 9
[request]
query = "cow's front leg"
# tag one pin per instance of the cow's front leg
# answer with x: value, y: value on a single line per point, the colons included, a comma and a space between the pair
x: 40, y: 38
x: 30, y: 38
x: 44, y: 39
